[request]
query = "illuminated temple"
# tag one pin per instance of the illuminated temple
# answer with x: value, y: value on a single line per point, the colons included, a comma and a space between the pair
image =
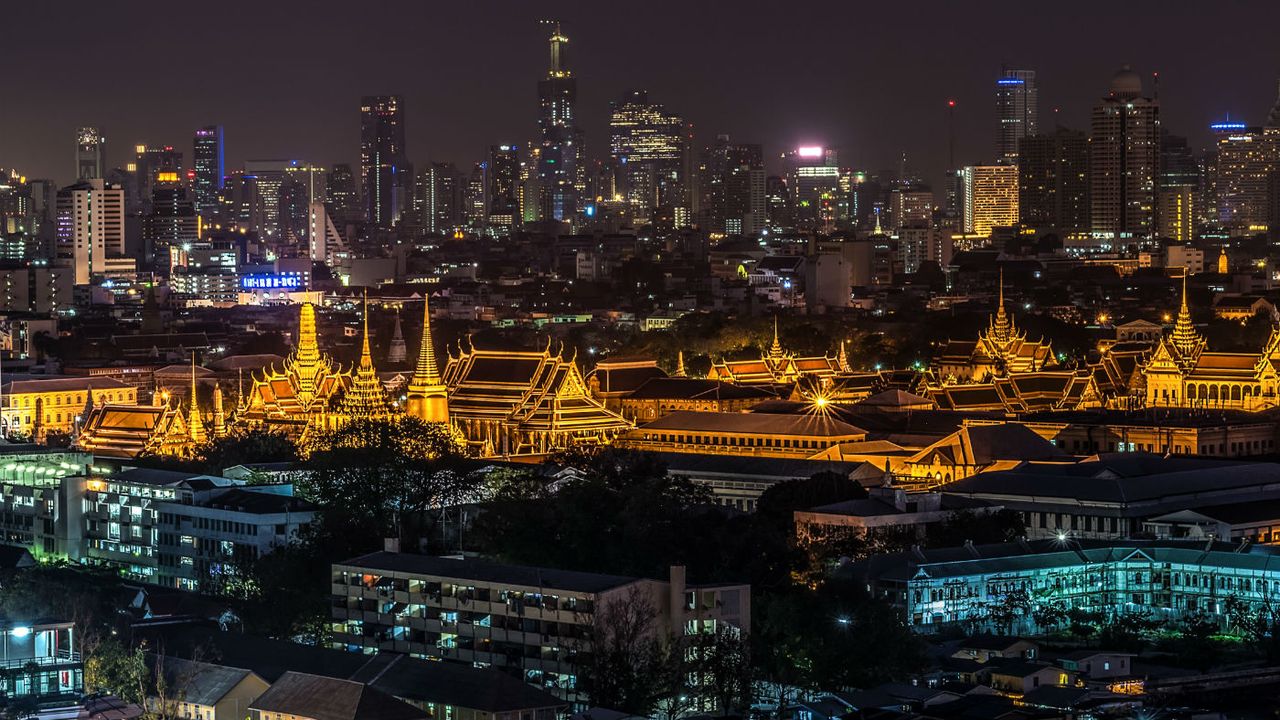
x: 126, y: 431
x: 777, y: 366
x: 298, y: 394
x: 1182, y: 372
x: 525, y: 402
x: 1000, y: 350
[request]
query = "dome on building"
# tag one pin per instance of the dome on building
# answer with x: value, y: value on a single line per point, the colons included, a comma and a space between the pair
x: 1126, y: 83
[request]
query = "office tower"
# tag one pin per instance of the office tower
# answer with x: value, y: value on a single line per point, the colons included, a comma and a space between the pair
x: 207, y: 155
x: 732, y: 186
x: 170, y: 225
x: 814, y: 180
x: 382, y: 158
x: 502, y: 187
x: 777, y: 200
x: 150, y: 162
x: 561, y: 170
x: 1017, y: 110
x: 1245, y: 157
x: 439, y: 197
x: 91, y: 151
x: 473, y: 200
x: 1053, y: 181
x: 911, y: 206
x: 324, y: 242
x: 90, y: 227
x: 990, y: 197
x: 647, y: 144
x: 1179, y: 190
x: 343, y: 196
x: 1124, y: 151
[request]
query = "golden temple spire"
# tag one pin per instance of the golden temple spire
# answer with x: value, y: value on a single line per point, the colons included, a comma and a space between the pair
x: 775, y: 350
x: 1002, y: 326
x: 427, y: 397
x: 219, y: 414
x: 195, y: 424
x: 842, y: 360
x: 1185, y: 337
x: 366, y: 398
x: 680, y: 364
x: 308, y: 347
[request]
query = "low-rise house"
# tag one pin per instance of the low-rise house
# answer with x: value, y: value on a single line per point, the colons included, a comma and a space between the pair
x: 299, y: 696
x: 1098, y: 664
x: 1021, y: 677
x: 200, y: 690
x: 985, y: 648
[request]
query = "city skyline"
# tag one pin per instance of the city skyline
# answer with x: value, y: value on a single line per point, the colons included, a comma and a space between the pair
x: 723, y: 72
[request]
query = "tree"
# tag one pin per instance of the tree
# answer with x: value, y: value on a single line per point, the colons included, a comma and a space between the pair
x: 112, y: 667
x: 963, y: 526
x: 243, y: 447
x: 623, y: 658
x: 722, y: 666
x: 83, y: 595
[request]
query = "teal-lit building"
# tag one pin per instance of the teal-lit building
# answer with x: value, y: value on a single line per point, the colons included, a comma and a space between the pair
x: 999, y: 587
x: 38, y: 661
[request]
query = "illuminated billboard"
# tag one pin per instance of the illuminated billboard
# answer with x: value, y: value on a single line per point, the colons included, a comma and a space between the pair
x: 271, y: 281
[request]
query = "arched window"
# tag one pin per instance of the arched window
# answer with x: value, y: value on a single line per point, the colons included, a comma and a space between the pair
x: 1213, y: 392
x: 1235, y: 392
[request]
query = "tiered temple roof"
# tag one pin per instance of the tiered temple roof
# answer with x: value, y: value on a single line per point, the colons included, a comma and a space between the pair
x: 523, y: 402
x: 1000, y: 350
x: 289, y: 397
x: 366, y: 398
x: 126, y: 431
x: 777, y: 366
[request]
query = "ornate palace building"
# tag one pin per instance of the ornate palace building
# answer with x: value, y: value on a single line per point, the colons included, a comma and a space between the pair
x: 1000, y: 350
x: 525, y: 402
x: 778, y: 366
x: 292, y: 397
x: 1182, y: 372
x: 126, y: 431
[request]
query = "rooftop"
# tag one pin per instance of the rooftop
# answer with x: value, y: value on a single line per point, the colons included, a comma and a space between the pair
x: 483, y: 571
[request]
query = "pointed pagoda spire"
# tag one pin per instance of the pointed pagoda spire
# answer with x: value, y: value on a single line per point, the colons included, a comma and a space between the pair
x: 1185, y: 337
x: 775, y: 350
x: 680, y: 372
x: 842, y: 359
x: 1002, y: 326
x: 366, y: 398
x: 195, y: 423
x: 427, y: 397
x: 397, y: 352
x: 308, y: 350
x: 219, y: 414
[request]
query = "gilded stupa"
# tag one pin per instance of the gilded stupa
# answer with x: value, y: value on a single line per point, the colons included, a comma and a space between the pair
x: 427, y: 397
x: 291, y: 397
x: 366, y: 398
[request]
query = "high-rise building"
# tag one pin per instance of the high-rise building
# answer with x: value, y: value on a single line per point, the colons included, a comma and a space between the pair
x: 502, y: 187
x: 210, y: 168
x: 342, y: 198
x: 813, y: 176
x: 1053, y: 181
x: 911, y: 206
x: 91, y: 151
x: 990, y: 197
x: 647, y: 144
x: 89, y: 227
x: 1180, y: 193
x: 1246, y: 155
x: 1124, y: 152
x: 170, y: 223
x: 1017, y: 109
x: 438, y: 196
x: 382, y: 158
x: 150, y: 163
x: 732, y: 187
x: 561, y: 170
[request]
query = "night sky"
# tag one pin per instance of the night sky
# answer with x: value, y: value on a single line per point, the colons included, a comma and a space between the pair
x: 285, y: 78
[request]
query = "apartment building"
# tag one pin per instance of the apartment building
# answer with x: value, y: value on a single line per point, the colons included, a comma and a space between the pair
x: 528, y: 620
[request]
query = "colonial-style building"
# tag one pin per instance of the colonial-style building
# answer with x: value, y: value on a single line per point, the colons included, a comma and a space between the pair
x: 126, y: 431
x: 1000, y: 350
x: 37, y: 407
x: 525, y: 402
x: 1183, y: 372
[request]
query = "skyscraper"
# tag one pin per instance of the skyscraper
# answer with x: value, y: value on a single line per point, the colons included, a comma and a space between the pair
x: 561, y: 172
x: 647, y: 143
x: 1053, y: 181
x: 210, y: 168
x: 170, y: 223
x: 1124, y: 152
x: 382, y: 158
x: 91, y: 151
x: 1017, y: 108
x: 502, y: 187
x: 733, y: 188
x: 438, y: 197
x: 813, y: 177
x: 990, y: 197
x: 89, y: 227
x: 343, y: 198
